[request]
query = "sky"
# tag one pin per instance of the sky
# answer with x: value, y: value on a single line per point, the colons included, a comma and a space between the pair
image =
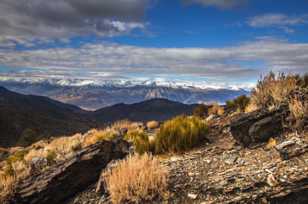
x: 215, y: 43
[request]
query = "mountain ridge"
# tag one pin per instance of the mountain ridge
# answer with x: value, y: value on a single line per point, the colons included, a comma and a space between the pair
x: 91, y: 97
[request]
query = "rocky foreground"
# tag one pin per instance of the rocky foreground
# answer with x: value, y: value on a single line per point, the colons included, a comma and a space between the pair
x: 223, y: 171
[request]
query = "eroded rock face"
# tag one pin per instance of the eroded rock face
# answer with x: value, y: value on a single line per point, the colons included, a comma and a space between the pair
x: 258, y: 126
x: 63, y: 180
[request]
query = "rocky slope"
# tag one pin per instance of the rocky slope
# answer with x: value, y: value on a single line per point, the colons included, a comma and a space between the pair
x: 224, y: 171
x: 64, y: 179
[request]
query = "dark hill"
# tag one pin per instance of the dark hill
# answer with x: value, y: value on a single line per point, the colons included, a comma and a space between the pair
x: 28, y: 118
x: 154, y: 109
x: 25, y: 118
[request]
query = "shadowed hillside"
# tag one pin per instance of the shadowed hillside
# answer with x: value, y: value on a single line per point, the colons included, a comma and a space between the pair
x: 27, y: 118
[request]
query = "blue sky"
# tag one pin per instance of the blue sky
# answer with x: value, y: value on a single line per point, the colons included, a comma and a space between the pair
x: 202, y: 42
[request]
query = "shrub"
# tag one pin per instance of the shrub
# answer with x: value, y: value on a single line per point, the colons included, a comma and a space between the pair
x: 28, y: 137
x: 273, y: 89
x: 95, y: 136
x: 216, y: 109
x: 239, y: 104
x: 137, y: 179
x: 200, y: 111
x: 152, y: 124
x: 179, y: 134
x: 18, y: 156
x: 140, y: 141
x: 51, y: 157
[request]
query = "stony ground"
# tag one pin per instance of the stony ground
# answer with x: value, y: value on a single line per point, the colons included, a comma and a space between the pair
x: 224, y: 172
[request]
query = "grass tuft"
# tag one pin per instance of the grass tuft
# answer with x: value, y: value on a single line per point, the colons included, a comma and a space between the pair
x: 179, y: 134
x: 137, y: 179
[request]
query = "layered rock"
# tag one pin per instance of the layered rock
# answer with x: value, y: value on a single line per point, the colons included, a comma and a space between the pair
x: 258, y: 126
x: 65, y: 179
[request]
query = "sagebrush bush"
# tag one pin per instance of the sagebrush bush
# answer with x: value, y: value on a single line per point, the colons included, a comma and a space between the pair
x: 216, y: 109
x: 273, y: 89
x: 136, y: 179
x: 152, y: 124
x: 238, y: 104
x: 140, y: 141
x: 200, y: 111
x: 179, y: 134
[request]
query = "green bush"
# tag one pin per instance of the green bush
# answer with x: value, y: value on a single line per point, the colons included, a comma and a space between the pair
x: 179, y: 134
x: 140, y: 141
x: 240, y: 103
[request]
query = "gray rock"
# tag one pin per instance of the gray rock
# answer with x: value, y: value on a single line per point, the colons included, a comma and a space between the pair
x: 63, y: 180
x: 258, y: 126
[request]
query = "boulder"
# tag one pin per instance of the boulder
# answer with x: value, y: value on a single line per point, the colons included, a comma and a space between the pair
x: 258, y: 126
x: 63, y: 180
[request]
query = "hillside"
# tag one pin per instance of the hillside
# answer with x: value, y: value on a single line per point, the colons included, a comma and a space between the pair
x: 27, y: 118
x: 154, y: 109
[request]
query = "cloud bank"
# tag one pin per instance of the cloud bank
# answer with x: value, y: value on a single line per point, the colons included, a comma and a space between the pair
x: 245, y: 60
x: 61, y: 18
x: 278, y: 20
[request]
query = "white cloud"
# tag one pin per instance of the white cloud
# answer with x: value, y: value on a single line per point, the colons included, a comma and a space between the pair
x: 222, y: 4
x: 278, y: 20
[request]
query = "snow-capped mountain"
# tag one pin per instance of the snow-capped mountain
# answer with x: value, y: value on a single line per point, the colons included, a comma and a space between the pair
x: 91, y: 94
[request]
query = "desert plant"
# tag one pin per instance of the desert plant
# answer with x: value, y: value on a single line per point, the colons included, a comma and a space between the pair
x: 179, y: 134
x: 153, y: 124
x: 273, y: 89
x: 239, y: 104
x: 200, y: 111
x: 137, y: 179
x: 51, y: 157
x: 216, y: 109
x: 140, y: 141
x: 17, y: 156
x: 95, y: 136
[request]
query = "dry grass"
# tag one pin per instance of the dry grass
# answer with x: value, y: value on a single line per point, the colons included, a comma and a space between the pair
x: 216, y: 109
x: 251, y: 107
x: 6, y: 185
x: 126, y: 124
x: 272, y: 90
x: 298, y: 109
x: 95, y: 136
x: 152, y: 124
x: 137, y: 179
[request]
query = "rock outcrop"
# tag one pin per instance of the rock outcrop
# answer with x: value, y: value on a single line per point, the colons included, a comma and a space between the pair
x: 62, y: 181
x: 258, y: 126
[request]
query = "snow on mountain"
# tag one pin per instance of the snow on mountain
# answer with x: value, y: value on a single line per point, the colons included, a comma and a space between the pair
x: 78, y: 82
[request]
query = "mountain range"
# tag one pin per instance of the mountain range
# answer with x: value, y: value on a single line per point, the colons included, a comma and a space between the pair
x: 28, y: 118
x: 93, y: 96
